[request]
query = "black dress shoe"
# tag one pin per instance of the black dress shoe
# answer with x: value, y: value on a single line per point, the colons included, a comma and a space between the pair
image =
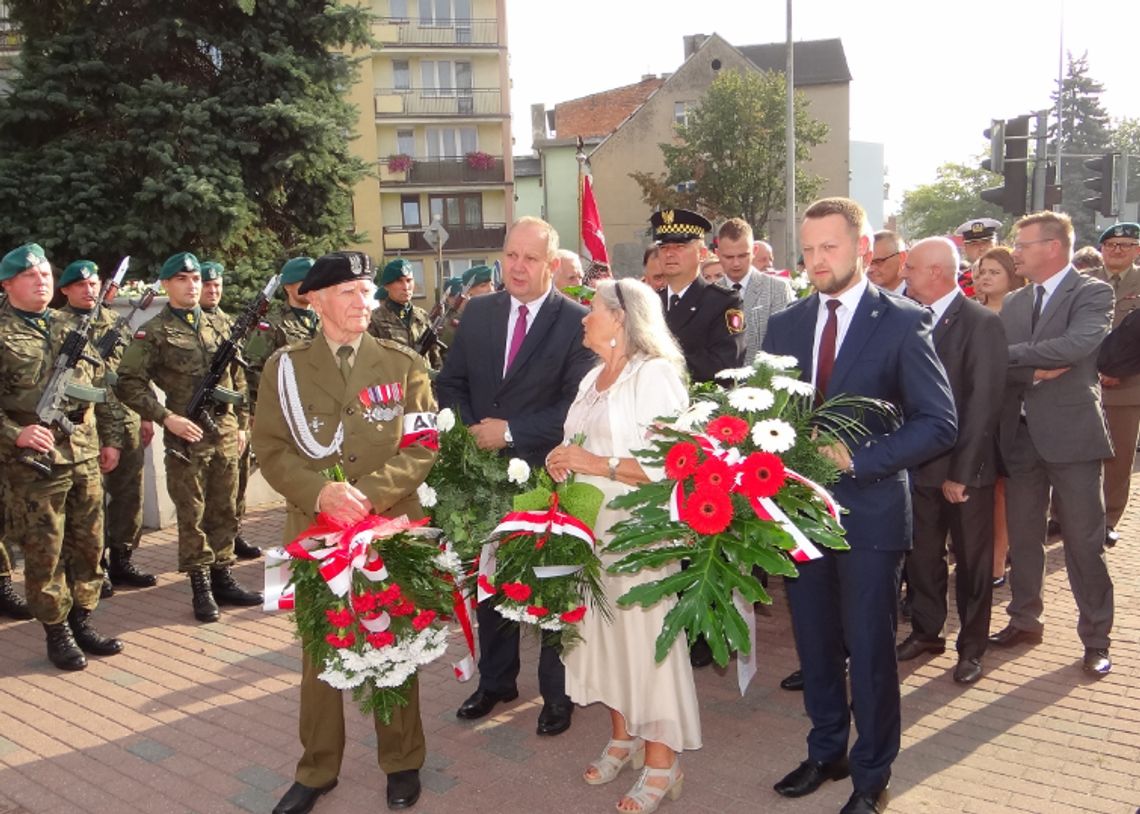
x: 300, y: 798
x: 483, y: 701
x: 1009, y: 636
x: 862, y: 802
x: 700, y: 654
x: 1111, y: 537
x: 793, y: 681
x: 403, y: 788
x: 913, y: 646
x: 554, y: 718
x: 968, y: 671
x: 1096, y: 662
x: 809, y: 776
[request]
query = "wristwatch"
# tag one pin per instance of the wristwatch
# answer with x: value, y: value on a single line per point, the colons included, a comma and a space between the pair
x: 613, y: 465
x: 507, y: 437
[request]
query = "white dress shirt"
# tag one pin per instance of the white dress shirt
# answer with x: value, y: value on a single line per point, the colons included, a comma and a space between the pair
x: 532, y: 309
x: 848, y: 302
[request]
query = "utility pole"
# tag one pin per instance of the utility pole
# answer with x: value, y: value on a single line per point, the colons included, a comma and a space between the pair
x: 790, y: 149
x: 1040, y: 162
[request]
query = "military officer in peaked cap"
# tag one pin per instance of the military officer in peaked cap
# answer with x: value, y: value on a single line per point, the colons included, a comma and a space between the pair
x: 321, y: 424
x: 396, y: 317
x: 978, y: 237
x: 707, y: 320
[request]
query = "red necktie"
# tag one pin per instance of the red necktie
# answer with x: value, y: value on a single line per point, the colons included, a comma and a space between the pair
x: 826, y: 359
x: 517, y: 337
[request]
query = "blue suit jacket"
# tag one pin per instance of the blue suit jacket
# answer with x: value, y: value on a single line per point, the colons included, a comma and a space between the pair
x: 886, y: 354
x: 537, y: 391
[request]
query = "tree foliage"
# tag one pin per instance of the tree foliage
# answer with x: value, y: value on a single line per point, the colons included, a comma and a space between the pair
x: 954, y: 197
x: 728, y: 158
x: 147, y: 127
x: 1126, y: 141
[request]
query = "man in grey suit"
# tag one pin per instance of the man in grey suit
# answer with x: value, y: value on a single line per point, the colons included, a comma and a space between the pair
x: 763, y: 294
x: 1052, y: 434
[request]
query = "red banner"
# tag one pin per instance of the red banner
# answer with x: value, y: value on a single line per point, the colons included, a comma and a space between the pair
x: 592, y: 235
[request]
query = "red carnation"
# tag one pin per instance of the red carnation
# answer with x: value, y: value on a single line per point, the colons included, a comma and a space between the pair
x: 537, y: 610
x: 381, y: 639
x: 340, y: 618
x: 708, y: 511
x: 423, y: 620
x: 363, y: 603
x: 714, y: 474
x: 516, y: 591
x: 390, y: 595
x: 728, y: 429
x: 403, y: 608
x: 681, y: 461
x: 485, y: 584
x: 341, y: 642
x: 574, y: 616
x: 762, y: 474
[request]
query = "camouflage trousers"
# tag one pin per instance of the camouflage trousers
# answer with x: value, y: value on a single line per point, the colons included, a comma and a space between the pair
x: 5, y: 557
x: 247, y: 465
x: 124, y: 488
x: 58, y: 522
x: 204, y: 493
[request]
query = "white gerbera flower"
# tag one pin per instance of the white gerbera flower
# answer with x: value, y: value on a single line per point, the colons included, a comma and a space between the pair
x: 773, y: 435
x: 518, y: 471
x: 751, y: 399
x: 445, y: 419
x: 774, y: 361
x: 427, y: 495
x: 737, y: 374
x: 698, y: 413
x: 797, y: 387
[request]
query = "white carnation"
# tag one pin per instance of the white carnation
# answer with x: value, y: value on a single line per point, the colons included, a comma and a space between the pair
x: 797, y: 387
x: 448, y: 561
x: 773, y: 435
x: 427, y: 495
x: 445, y: 420
x: 340, y: 680
x: 518, y: 471
x: 751, y: 399
x: 697, y: 414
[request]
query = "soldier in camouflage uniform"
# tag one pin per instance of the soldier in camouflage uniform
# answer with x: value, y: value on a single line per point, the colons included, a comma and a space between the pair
x: 395, y: 317
x: 11, y: 603
x: 285, y: 323
x: 57, y: 518
x: 174, y: 349
x: 122, y: 520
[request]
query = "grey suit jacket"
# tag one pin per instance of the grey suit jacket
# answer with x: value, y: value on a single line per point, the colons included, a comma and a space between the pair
x: 766, y: 294
x: 1064, y: 414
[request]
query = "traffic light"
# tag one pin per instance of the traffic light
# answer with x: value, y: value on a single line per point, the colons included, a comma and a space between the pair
x: 1104, y: 185
x: 1010, y: 160
x: 1052, y: 188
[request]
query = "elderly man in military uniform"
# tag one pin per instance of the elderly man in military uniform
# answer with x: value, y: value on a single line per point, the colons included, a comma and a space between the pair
x: 323, y: 423
x: 123, y: 485
x: 173, y: 350
x: 57, y: 515
x: 1120, y: 246
x: 396, y: 318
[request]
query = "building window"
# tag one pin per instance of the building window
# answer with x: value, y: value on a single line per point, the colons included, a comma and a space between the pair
x: 681, y: 113
x: 455, y: 266
x: 451, y: 142
x: 401, y: 75
x: 410, y: 210
x: 398, y: 9
x: 442, y: 77
x: 418, y: 276
x: 686, y: 186
x: 437, y: 12
x: 462, y: 211
x: 406, y: 142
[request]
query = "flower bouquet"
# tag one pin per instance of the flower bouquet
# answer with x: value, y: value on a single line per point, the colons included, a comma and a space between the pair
x: 744, y: 488
x: 370, y: 603
x: 580, y: 293
x: 539, y: 566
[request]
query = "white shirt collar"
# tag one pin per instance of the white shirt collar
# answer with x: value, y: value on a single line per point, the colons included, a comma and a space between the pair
x: 849, y: 299
x: 940, y: 305
x: 532, y: 307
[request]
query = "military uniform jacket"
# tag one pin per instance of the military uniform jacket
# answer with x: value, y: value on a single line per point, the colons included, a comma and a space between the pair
x: 386, y: 324
x: 175, y: 356
x: 385, y: 411
x: 281, y: 326
x: 108, y: 322
x: 1127, y: 290
x: 708, y: 323
x: 26, y: 359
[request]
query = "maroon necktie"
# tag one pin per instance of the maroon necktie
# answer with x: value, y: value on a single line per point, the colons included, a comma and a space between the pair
x: 518, y: 336
x: 826, y: 359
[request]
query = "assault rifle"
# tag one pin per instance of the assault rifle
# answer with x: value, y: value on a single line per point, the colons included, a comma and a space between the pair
x: 109, y: 342
x: 439, y: 316
x: 199, y: 409
x: 61, y: 388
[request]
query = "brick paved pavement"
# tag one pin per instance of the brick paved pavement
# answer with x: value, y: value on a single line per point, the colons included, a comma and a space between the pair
x: 201, y: 718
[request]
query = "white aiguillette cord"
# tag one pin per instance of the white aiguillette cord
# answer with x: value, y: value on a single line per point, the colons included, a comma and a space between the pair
x: 294, y: 413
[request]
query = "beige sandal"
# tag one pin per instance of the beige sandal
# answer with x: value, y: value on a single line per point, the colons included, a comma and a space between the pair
x: 649, y: 797
x: 608, y: 767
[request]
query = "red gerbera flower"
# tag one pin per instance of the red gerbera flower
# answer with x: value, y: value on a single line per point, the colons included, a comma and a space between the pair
x: 762, y: 474
x: 423, y: 620
x: 708, y: 511
x: 537, y: 610
x: 381, y: 639
x: 714, y: 474
x: 728, y: 429
x: 571, y: 617
x: 516, y: 591
x: 681, y: 461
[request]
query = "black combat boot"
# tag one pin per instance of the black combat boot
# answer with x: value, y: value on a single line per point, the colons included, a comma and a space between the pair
x: 245, y: 550
x: 11, y: 603
x: 124, y: 572
x: 62, y: 649
x: 228, y: 592
x: 107, y: 590
x: 88, y: 638
x: 205, y: 608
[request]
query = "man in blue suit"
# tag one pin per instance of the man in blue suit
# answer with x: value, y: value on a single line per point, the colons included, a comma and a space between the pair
x: 852, y: 338
x: 511, y: 373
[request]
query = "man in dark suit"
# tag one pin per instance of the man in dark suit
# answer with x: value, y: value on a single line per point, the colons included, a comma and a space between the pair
x: 1053, y: 434
x: 851, y: 338
x: 706, y: 320
x: 955, y: 492
x: 512, y: 373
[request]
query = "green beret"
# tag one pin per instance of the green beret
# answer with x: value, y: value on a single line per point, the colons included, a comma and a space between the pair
x: 1129, y: 230
x: 212, y: 271
x: 477, y: 275
x: 398, y: 269
x: 20, y: 260
x: 453, y: 286
x: 295, y: 269
x: 183, y: 261
x: 335, y: 268
x: 381, y: 293
x: 79, y: 270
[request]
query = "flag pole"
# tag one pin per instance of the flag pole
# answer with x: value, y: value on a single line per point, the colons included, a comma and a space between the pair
x: 580, y: 156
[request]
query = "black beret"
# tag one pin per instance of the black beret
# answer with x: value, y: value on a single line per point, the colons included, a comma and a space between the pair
x: 336, y: 268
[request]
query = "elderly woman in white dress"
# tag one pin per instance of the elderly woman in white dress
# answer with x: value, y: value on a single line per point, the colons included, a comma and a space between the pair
x: 653, y: 706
